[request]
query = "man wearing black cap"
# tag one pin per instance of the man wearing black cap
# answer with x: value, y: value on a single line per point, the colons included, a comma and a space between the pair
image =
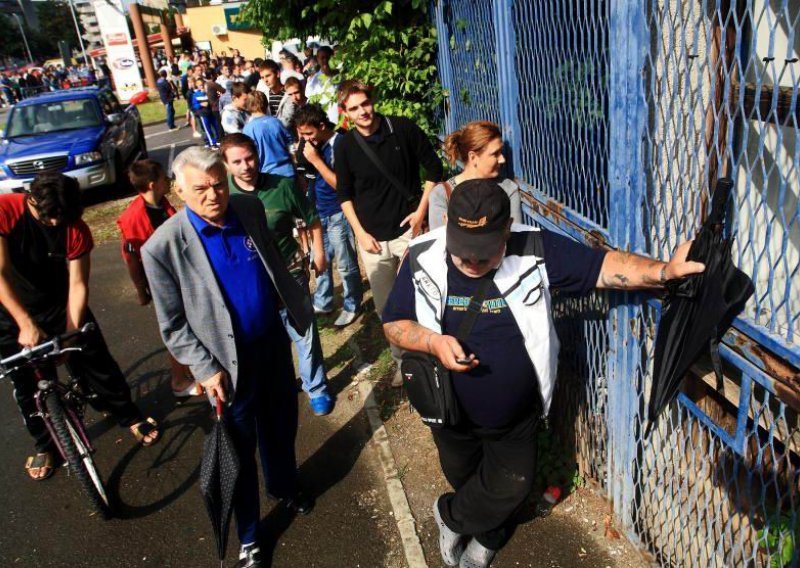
x: 505, y: 371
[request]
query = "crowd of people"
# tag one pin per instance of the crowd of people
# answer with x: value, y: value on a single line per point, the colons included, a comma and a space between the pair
x: 279, y: 198
x: 17, y: 85
x: 218, y: 89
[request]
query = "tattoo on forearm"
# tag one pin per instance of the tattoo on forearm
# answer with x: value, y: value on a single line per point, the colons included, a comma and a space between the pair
x: 395, y: 332
x: 409, y: 335
x: 621, y: 281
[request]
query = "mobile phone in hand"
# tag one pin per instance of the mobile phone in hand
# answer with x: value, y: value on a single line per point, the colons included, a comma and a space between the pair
x: 465, y: 361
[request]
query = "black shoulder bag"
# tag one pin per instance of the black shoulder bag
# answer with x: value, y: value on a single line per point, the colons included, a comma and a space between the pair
x: 428, y: 382
x: 373, y: 157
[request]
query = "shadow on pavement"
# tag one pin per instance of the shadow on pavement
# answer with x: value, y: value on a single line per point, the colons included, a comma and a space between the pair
x: 329, y: 465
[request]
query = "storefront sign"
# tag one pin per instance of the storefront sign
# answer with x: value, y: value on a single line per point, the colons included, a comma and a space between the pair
x: 233, y: 19
x: 120, y: 57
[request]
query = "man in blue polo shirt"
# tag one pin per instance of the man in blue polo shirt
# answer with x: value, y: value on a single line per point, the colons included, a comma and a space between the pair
x: 320, y: 139
x: 217, y: 281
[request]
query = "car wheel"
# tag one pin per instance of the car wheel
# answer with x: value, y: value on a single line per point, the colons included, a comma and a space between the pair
x: 142, y: 145
x: 122, y: 185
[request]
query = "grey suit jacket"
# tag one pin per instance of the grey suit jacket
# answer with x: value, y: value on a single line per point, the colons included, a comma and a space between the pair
x: 192, y: 315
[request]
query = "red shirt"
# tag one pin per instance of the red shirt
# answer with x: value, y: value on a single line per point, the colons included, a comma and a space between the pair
x: 136, y: 227
x: 39, y: 255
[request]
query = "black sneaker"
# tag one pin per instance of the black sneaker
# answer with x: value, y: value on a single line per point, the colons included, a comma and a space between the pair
x: 250, y: 556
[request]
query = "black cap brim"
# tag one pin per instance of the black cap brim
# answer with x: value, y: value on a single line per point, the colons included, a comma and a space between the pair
x: 476, y: 246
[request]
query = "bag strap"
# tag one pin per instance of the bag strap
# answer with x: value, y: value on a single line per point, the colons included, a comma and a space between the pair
x: 473, y: 310
x: 382, y: 168
x: 448, y: 189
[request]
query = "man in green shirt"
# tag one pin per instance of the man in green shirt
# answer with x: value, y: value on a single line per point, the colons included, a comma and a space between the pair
x: 283, y: 204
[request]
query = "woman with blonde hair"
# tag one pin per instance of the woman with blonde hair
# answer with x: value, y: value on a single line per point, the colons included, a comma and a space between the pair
x: 478, y: 145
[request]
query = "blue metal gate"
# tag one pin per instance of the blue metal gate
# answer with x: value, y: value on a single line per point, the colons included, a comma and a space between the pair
x: 619, y: 115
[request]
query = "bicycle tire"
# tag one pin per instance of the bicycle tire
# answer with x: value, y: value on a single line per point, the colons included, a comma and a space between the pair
x: 78, y: 457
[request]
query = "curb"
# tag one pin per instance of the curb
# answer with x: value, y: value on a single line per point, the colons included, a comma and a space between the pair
x: 406, y: 523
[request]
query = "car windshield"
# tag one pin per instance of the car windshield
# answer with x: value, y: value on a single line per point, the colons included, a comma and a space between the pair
x: 53, y: 117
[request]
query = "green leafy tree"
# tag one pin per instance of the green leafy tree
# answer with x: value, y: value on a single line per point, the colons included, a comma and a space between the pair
x: 389, y: 44
x: 12, y: 45
x: 55, y: 24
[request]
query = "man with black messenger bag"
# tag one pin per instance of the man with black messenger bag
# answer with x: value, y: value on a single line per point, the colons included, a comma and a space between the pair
x: 485, y: 390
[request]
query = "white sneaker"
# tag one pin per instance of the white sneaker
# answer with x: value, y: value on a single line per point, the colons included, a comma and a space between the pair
x: 451, y: 544
x: 197, y: 135
x: 476, y: 556
x: 321, y: 312
x: 250, y: 556
x: 345, y: 318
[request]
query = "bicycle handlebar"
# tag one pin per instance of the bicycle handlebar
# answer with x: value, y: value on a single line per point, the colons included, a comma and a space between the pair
x: 48, y: 348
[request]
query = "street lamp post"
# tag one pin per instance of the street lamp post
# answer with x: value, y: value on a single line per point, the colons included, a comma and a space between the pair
x: 24, y: 39
x: 78, y: 31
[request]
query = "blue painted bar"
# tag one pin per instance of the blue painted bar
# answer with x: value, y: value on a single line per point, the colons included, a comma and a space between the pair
x: 703, y: 418
x: 505, y: 41
x: 628, y: 41
x: 584, y: 224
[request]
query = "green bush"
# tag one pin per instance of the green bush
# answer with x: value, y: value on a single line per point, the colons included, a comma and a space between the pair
x: 389, y: 44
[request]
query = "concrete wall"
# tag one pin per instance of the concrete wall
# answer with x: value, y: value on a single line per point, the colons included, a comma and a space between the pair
x: 200, y: 19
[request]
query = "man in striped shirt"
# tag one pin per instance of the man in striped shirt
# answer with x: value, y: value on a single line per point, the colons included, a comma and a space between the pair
x: 280, y: 105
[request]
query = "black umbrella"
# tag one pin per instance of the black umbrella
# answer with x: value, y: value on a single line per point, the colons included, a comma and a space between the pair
x: 699, y: 309
x: 219, y: 471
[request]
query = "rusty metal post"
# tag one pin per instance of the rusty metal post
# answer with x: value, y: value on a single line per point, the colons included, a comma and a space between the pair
x: 144, y: 48
x: 167, y: 42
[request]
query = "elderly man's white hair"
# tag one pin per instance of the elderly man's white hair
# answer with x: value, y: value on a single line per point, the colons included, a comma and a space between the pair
x: 198, y: 157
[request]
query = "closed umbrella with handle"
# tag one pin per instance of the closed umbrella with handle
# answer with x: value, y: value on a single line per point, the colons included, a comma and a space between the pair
x: 698, y: 310
x: 219, y: 472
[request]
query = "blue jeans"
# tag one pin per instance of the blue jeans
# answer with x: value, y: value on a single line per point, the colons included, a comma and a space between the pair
x: 309, y: 350
x: 339, y: 243
x: 170, y: 114
x: 263, y: 415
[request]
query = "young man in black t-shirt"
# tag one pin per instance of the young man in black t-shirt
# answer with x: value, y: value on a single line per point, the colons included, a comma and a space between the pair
x: 504, y: 372
x: 384, y: 214
x: 44, y: 288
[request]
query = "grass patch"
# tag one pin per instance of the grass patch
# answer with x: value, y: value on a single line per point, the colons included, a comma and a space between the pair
x: 102, y: 219
x: 154, y: 111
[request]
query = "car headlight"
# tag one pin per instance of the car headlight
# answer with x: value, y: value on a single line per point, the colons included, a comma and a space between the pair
x: 3, y: 174
x: 88, y: 158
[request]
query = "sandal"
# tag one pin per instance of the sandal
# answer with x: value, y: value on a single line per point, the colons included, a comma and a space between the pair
x: 146, y: 432
x: 43, y: 463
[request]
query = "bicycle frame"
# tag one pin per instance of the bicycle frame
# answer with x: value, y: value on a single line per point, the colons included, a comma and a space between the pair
x: 68, y: 396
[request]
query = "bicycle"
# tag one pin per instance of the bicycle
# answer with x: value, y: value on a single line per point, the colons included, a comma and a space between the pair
x: 61, y: 405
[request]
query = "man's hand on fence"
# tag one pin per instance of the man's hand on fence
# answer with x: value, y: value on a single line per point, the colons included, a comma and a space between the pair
x: 679, y: 267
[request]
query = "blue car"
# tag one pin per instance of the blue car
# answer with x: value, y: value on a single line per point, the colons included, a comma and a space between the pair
x: 84, y: 133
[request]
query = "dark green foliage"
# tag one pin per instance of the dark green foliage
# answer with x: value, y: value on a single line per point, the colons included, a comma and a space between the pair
x: 389, y: 44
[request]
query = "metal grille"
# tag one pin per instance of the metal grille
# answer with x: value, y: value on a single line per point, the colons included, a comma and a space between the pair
x: 467, y: 28
x: 722, y: 93
x: 39, y: 165
x: 562, y: 63
x: 619, y: 116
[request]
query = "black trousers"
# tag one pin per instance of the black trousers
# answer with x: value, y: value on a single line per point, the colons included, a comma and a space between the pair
x: 94, y: 365
x: 492, y: 471
x: 263, y: 417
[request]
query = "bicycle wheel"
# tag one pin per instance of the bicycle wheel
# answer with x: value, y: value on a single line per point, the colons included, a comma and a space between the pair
x: 78, y: 457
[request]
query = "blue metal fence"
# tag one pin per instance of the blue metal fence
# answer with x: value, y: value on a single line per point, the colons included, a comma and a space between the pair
x: 619, y: 116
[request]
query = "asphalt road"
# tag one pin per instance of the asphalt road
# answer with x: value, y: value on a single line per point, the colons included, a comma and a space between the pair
x: 163, y: 145
x: 161, y: 519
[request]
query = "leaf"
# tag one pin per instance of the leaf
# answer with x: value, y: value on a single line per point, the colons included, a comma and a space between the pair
x: 366, y: 19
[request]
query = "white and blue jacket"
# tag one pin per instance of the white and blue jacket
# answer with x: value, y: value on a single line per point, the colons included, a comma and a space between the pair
x: 522, y: 282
